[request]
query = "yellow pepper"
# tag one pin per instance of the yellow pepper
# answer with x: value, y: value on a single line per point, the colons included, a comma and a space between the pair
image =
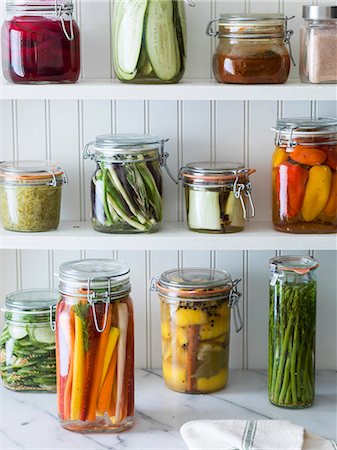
x: 330, y: 209
x: 78, y: 375
x: 316, y: 192
x: 279, y: 156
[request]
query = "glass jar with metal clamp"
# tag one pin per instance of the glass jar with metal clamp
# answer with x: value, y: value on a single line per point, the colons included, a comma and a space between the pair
x: 126, y: 187
x: 304, y: 173
x: 216, y: 194
x: 30, y: 195
x: 252, y: 48
x: 95, y: 346
x: 196, y: 307
x: 27, y: 343
x: 40, y: 42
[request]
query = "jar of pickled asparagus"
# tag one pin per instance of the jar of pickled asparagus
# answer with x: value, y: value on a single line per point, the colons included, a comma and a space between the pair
x: 195, y: 327
x: 292, y: 328
x: 40, y: 42
x: 27, y: 343
x: 149, y: 40
x: 95, y: 346
x: 305, y: 175
x: 30, y: 195
x: 126, y: 187
x: 216, y: 194
x: 252, y: 48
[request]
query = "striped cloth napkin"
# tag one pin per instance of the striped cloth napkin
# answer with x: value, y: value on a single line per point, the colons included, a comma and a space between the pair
x: 251, y: 435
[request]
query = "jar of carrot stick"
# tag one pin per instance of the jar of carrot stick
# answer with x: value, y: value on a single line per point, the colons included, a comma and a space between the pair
x: 195, y: 327
x: 95, y: 347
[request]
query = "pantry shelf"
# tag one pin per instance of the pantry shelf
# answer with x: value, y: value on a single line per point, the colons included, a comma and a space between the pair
x: 172, y: 236
x: 198, y: 89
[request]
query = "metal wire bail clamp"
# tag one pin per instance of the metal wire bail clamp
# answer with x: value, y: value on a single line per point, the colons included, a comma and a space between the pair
x: 287, y: 36
x: 91, y: 300
x: 233, y: 301
x: 52, y: 323
x: 209, y: 29
x: 60, y: 10
x: 86, y: 151
x: 163, y: 160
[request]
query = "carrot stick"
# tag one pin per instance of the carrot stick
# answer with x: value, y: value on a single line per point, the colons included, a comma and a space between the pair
x: 112, y: 407
x: 112, y: 341
x: 78, y: 372
x: 123, y: 328
x: 103, y: 340
x: 104, y: 397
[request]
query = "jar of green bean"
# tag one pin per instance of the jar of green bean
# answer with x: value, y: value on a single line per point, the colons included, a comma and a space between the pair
x: 292, y: 326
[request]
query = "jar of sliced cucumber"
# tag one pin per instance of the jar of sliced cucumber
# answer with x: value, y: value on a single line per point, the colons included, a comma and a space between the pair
x: 149, y: 40
x: 27, y: 343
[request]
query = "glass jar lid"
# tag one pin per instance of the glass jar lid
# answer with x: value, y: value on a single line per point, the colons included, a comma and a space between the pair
x: 290, y: 129
x: 253, y: 19
x: 39, y: 172
x: 56, y: 7
x: 39, y: 300
x: 194, y: 283
x: 107, y: 276
x: 298, y: 264
x: 319, y: 12
x: 216, y: 172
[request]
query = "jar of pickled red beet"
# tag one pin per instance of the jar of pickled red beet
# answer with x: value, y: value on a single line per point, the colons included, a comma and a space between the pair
x: 251, y: 48
x: 95, y: 346
x: 40, y: 42
x: 304, y: 174
x: 195, y: 327
x: 216, y: 194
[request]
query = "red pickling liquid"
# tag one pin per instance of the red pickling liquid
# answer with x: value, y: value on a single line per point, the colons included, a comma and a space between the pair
x: 36, y: 50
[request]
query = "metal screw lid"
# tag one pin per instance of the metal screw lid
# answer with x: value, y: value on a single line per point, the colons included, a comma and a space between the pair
x: 319, y: 12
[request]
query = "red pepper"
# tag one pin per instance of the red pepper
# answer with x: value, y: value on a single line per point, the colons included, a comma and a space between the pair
x: 331, y: 160
x: 290, y: 182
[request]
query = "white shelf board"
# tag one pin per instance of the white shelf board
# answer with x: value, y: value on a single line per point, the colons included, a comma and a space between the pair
x: 172, y: 236
x: 105, y: 89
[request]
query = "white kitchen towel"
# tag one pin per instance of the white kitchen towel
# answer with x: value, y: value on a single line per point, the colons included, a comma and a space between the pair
x: 250, y: 435
x: 242, y: 435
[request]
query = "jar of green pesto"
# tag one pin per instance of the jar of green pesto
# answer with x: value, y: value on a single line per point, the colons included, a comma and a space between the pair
x: 30, y: 195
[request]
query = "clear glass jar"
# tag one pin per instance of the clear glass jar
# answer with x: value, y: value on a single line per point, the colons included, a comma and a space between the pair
x: 30, y: 195
x: 215, y: 194
x: 126, y: 187
x: 149, y: 41
x: 318, y: 53
x: 95, y: 346
x: 40, y: 42
x: 292, y: 328
x: 251, y: 48
x: 27, y: 343
x: 195, y: 327
x: 305, y: 175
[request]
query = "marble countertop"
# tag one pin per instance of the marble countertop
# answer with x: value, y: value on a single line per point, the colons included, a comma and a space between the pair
x: 29, y: 421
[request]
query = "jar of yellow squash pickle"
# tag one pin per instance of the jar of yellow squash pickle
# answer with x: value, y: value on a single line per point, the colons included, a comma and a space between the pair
x: 195, y: 327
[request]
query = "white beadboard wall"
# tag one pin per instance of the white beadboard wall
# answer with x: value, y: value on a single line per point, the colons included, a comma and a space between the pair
x: 216, y: 130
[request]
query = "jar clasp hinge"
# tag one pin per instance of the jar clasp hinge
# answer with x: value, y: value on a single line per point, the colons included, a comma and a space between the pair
x: 154, y: 283
x: 209, y: 29
x: 233, y: 301
x: 287, y: 36
x: 163, y: 160
x: 86, y: 151
x: 91, y: 297
x: 61, y: 10
x: 52, y: 309
x: 246, y: 188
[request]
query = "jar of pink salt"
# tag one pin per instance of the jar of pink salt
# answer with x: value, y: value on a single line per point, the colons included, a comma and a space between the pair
x: 318, y: 56
x: 40, y: 42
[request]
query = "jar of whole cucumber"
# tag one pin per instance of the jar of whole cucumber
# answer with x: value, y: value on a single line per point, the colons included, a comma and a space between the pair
x: 292, y: 328
x: 126, y: 187
x: 149, y: 40
x: 195, y: 327
x: 27, y: 343
x: 215, y: 194
x: 30, y: 195
x: 95, y: 346
x: 305, y: 175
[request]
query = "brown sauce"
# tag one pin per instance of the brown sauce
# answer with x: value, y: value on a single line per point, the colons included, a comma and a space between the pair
x: 264, y: 67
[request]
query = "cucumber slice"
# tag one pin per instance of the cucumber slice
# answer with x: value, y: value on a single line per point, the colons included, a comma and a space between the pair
x: 127, y: 36
x: 161, y: 39
x: 42, y: 335
x: 17, y: 332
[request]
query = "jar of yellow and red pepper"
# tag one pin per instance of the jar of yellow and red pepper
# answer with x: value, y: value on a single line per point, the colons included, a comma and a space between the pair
x: 305, y: 175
